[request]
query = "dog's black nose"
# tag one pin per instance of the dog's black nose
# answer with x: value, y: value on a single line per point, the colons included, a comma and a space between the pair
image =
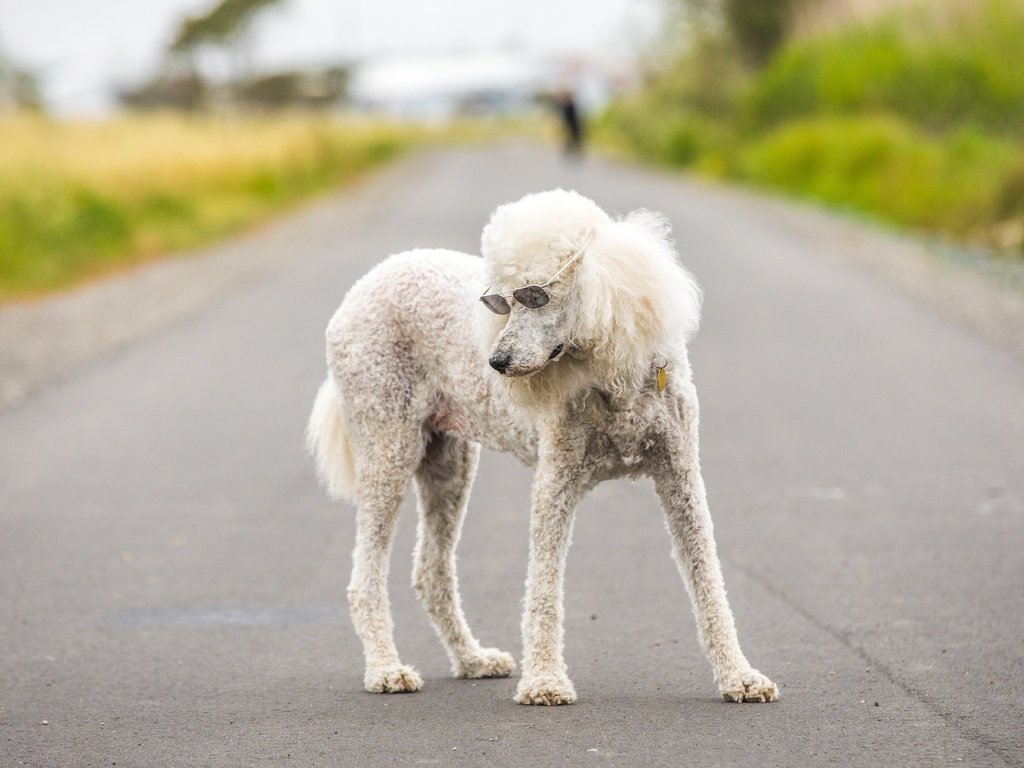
x: 499, y: 361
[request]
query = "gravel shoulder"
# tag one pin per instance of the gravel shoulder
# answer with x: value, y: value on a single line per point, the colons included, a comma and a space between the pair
x: 980, y: 290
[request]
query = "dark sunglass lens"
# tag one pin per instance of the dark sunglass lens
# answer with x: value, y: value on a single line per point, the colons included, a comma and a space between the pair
x: 531, y: 296
x: 496, y: 303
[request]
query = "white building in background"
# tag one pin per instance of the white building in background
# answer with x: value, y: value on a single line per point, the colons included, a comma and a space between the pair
x: 436, y: 87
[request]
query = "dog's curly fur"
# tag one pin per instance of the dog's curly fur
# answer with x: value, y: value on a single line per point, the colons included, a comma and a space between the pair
x: 409, y: 395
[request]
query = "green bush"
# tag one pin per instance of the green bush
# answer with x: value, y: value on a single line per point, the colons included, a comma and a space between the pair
x: 674, y: 138
x: 914, y: 118
x: 882, y: 164
x: 939, y: 66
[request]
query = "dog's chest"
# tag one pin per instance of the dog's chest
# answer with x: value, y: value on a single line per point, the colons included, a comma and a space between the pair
x: 621, y: 441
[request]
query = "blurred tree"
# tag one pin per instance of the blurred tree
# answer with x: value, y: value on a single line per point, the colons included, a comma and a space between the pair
x: 187, y: 83
x: 186, y: 91
x: 222, y: 26
x: 182, y: 85
x: 19, y: 89
x: 758, y: 27
x: 316, y: 90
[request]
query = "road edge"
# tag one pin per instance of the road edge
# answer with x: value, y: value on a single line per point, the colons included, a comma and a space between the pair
x: 45, y: 340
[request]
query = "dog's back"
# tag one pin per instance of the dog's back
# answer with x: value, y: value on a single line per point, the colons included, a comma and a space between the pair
x: 404, y: 360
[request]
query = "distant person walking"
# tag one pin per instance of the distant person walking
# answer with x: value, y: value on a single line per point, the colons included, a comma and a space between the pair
x: 572, y: 122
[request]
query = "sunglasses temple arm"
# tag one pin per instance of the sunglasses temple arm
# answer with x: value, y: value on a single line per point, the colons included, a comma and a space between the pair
x: 576, y: 255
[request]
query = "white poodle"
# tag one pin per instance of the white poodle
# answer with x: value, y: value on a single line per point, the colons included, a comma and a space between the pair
x: 585, y: 320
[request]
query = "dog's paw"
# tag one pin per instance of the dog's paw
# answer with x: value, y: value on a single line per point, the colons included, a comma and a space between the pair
x: 545, y: 690
x: 489, y: 663
x: 395, y: 679
x: 748, y: 686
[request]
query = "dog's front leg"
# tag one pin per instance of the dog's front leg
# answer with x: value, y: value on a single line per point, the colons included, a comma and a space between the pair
x: 557, y: 487
x: 681, y: 488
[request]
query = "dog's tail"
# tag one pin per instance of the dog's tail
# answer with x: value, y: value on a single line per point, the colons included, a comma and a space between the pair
x: 327, y: 441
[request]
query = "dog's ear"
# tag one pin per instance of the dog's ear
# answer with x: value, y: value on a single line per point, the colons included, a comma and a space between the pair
x: 635, y: 299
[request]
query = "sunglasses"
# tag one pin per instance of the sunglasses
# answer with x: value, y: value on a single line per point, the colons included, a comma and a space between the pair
x: 530, y: 296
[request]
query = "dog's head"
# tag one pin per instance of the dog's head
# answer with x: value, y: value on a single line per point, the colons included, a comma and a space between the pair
x: 622, y: 301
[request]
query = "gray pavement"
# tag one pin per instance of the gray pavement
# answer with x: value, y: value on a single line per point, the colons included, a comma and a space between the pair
x: 172, y: 580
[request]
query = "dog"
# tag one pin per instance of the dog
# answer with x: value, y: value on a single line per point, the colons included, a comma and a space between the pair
x: 565, y: 345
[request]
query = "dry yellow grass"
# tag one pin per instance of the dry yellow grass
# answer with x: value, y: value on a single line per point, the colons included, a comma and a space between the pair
x: 78, y: 198
x: 169, y: 152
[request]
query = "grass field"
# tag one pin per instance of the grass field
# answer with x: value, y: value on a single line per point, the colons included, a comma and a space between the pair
x: 79, y: 199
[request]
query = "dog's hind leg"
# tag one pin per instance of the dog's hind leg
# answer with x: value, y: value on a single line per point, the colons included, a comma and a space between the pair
x: 681, y: 488
x: 383, y: 469
x: 443, y: 482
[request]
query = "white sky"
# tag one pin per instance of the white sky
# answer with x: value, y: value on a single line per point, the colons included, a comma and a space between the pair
x: 83, y: 48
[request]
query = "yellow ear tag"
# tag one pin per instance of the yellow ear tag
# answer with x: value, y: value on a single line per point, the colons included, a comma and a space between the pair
x: 661, y: 379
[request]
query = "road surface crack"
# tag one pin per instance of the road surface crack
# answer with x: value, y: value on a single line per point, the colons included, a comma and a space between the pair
x: 915, y: 692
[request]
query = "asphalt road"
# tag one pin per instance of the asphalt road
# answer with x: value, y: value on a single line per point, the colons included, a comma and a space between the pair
x: 172, y: 579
